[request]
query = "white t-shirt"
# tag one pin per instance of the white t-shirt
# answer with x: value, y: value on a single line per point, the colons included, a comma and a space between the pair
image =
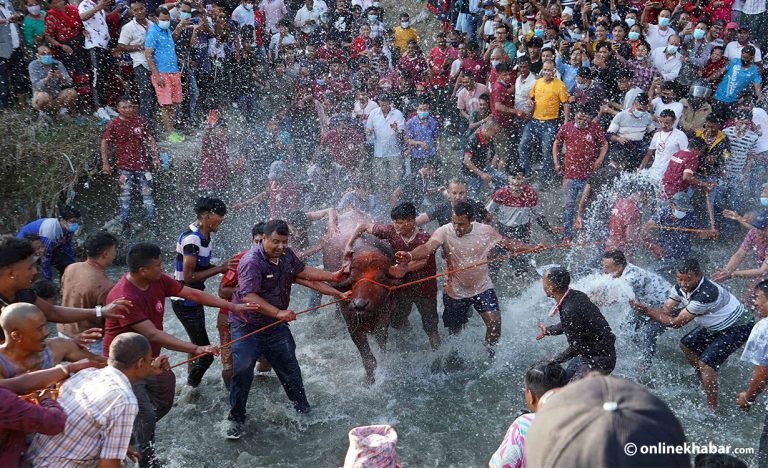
x: 665, y: 144
x: 657, y: 38
x: 243, y: 16
x: 523, y: 89
x: 95, y: 27
x: 133, y: 34
x: 386, y: 142
x: 658, y: 106
x: 303, y: 15
x: 733, y: 51
x: 760, y: 118
x: 275, y: 41
x: 364, y: 112
x: 668, y: 67
x: 460, y: 252
x: 8, y: 11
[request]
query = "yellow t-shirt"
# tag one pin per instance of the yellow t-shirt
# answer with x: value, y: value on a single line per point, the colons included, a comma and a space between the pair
x: 403, y: 37
x: 547, y: 98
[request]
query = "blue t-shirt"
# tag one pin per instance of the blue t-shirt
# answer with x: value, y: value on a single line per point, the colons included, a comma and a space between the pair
x: 161, y: 42
x: 676, y: 244
x: 735, y: 80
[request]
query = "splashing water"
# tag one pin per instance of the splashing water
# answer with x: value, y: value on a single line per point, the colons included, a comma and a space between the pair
x: 446, y: 413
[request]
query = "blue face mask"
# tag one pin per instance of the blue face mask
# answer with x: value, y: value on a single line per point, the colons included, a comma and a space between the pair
x: 538, y: 32
x: 46, y: 59
x: 164, y: 24
x: 630, y: 22
x: 698, y: 34
x: 321, y: 82
x: 425, y: 114
x: 72, y: 227
x: 764, y: 201
x: 185, y: 15
x: 663, y: 21
x: 634, y: 35
x: 672, y: 49
x: 372, y: 18
x: 488, y: 12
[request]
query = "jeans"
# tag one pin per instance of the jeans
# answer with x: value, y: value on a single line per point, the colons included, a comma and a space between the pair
x: 249, y: 105
x: 403, y: 304
x: 155, y: 397
x: 194, y: 94
x: 572, y: 189
x: 735, y: 194
x: 192, y: 317
x: 146, y: 93
x: 540, y: 132
x: 646, y: 335
x: 278, y: 347
x: 474, y: 183
x: 5, y: 81
x: 127, y: 179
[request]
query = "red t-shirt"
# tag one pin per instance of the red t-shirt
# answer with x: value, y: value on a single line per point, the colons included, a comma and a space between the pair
x: 625, y: 213
x: 129, y: 137
x: 229, y: 279
x: 344, y: 148
x: 479, y: 69
x: 441, y: 74
x: 581, y: 148
x: 259, y: 22
x: 425, y: 289
x: 146, y: 305
x: 504, y: 94
x: 679, y: 163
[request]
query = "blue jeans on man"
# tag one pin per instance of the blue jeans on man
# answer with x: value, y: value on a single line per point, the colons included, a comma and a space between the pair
x: 278, y: 347
x: 541, y: 132
x: 474, y: 183
x: 572, y: 190
x: 126, y: 181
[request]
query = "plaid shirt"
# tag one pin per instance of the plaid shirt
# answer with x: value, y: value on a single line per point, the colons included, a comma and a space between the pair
x: 644, y: 73
x: 377, y: 29
x: 100, y: 407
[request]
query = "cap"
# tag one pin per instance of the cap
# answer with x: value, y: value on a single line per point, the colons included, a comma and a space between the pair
x: 603, y: 421
x: 732, y: 25
x: 760, y: 221
x: 372, y: 447
x: 584, y: 72
x: 682, y: 201
x: 744, y: 27
x: 568, y: 11
x: 488, y: 3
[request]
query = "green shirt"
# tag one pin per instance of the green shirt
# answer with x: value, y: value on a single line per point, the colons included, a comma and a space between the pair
x: 33, y: 28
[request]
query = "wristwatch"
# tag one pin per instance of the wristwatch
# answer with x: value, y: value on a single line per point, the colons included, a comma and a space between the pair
x: 98, y: 311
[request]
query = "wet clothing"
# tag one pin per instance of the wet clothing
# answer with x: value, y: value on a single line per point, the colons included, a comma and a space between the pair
x: 588, y: 333
x: 443, y: 212
x: 193, y: 242
x: 59, y: 251
x: 425, y: 289
x: 10, y: 371
x: 18, y: 418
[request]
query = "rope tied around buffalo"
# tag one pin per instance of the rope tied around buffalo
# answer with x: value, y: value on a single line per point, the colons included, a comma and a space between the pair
x: 391, y: 288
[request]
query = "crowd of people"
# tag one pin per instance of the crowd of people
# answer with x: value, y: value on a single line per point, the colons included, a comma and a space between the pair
x: 647, y: 117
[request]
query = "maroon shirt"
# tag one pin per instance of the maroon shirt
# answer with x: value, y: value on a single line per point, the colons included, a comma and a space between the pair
x: 146, y: 305
x: 427, y: 288
x: 129, y: 137
x: 479, y: 69
x: 673, y: 177
x: 19, y: 418
x: 503, y: 93
x: 581, y: 146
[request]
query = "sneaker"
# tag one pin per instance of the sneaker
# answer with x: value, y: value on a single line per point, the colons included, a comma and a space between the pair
x: 102, y: 114
x: 234, y: 430
x: 110, y: 111
x: 174, y: 137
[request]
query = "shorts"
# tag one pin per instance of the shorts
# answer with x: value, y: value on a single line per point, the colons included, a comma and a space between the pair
x: 171, y: 92
x: 456, y: 311
x: 714, y: 347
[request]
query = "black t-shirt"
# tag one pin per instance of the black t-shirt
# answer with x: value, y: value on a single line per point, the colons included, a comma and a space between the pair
x: 25, y: 295
x: 442, y: 212
x: 586, y: 329
x: 480, y: 151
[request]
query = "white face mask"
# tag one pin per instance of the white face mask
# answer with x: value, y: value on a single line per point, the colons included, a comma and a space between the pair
x: 495, y: 62
x: 679, y: 214
x: 405, y: 24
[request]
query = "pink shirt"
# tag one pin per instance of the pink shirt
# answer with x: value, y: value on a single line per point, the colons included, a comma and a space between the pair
x: 274, y: 11
x: 753, y: 242
x: 469, y: 101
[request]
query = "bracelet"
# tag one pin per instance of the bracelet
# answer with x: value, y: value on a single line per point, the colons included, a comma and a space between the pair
x: 63, y: 369
x: 98, y: 311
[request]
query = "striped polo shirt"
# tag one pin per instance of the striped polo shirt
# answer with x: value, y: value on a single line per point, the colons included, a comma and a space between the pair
x: 715, y: 308
x: 192, y: 242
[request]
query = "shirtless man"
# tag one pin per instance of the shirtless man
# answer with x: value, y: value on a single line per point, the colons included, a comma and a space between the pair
x: 27, y: 347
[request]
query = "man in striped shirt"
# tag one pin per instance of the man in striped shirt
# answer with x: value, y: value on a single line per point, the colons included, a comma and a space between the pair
x: 724, y: 323
x: 100, y: 407
x: 742, y: 141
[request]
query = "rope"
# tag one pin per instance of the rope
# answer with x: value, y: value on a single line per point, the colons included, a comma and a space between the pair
x: 396, y: 287
x: 712, y: 229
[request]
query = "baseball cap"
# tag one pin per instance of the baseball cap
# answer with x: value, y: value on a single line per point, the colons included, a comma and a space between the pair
x: 372, y: 447
x: 732, y: 25
x: 682, y: 201
x: 744, y: 27
x: 603, y: 421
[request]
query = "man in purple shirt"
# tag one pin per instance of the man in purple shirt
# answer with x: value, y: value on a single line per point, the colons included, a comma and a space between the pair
x: 265, y: 276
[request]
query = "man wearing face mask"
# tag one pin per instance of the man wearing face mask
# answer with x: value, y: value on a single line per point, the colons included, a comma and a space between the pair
x: 404, y: 33
x: 587, y: 93
x: 667, y: 60
x: 739, y: 74
x: 243, y: 14
x: 51, y: 84
x: 742, y: 141
x: 670, y: 245
x: 657, y: 35
x: 308, y: 17
x: 698, y: 45
x: 132, y: 37
x: 667, y: 100
x: 378, y: 28
x: 628, y: 130
x: 56, y: 235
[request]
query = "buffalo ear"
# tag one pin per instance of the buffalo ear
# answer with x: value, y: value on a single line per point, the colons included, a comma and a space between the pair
x: 396, y: 272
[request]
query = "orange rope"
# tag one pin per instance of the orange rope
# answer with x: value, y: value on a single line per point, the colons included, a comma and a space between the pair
x: 709, y: 210
x: 670, y: 228
x: 396, y: 287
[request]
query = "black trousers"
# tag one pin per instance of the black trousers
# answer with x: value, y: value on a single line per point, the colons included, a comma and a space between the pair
x: 192, y: 317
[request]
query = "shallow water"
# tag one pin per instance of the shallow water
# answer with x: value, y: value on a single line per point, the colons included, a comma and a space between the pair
x: 445, y: 415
